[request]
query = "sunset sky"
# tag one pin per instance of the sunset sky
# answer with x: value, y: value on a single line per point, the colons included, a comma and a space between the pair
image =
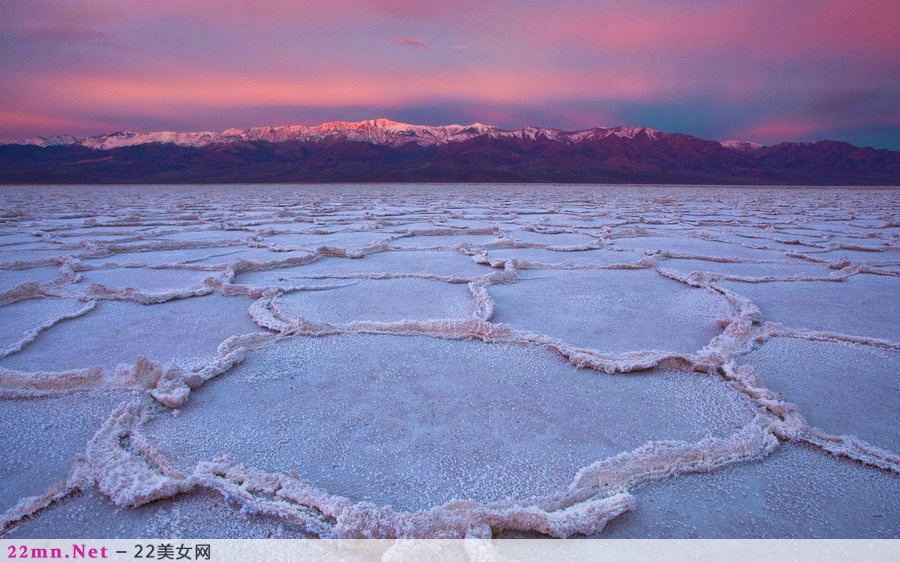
x: 766, y: 71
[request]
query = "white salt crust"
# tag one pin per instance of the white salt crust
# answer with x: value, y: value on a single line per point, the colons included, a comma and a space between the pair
x: 722, y: 308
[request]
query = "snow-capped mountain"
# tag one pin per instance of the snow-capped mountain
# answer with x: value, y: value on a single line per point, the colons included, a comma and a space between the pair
x: 373, y: 131
x: 380, y: 150
x: 742, y: 146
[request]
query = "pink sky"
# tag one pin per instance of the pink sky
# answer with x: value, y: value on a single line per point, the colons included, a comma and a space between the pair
x: 767, y: 71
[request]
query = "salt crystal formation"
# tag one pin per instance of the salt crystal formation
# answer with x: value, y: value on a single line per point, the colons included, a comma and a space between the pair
x: 449, y: 361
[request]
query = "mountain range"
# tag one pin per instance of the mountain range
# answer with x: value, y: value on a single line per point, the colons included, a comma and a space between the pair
x: 386, y: 151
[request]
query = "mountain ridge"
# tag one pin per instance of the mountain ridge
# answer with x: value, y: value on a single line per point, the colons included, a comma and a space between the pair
x: 381, y: 150
x: 376, y: 131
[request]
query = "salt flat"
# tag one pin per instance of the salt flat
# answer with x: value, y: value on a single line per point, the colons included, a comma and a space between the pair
x: 449, y: 360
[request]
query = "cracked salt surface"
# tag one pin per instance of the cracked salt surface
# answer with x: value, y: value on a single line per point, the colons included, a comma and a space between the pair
x: 391, y: 361
x: 22, y: 317
x: 46, y: 435
x: 201, y: 514
x: 559, y: 240
x: 539, y: 257
x: 448, y: 241
x: 416, y: 422
x: 154, y: 281
x: 690, y: 247
x: 434, y: 264
x: 183, y: 330
x: 751, y: 272
x: 794, y: 493
x: 851, y: 389
x: 611, y: 310
x: 380, y: 300
x: 9, y: 279
x: 860, y: 305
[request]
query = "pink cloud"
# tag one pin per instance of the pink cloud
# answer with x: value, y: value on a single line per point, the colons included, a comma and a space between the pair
x: 777, y: 130
x: 817, y: 27
x: 416, y: 8
x: 64, y: 33
x: 177, y: 87
x: 768, y: 62
x: 270, y: 12
x: 19, y: 125
x: 417, y: 44
x: 796, y: 128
